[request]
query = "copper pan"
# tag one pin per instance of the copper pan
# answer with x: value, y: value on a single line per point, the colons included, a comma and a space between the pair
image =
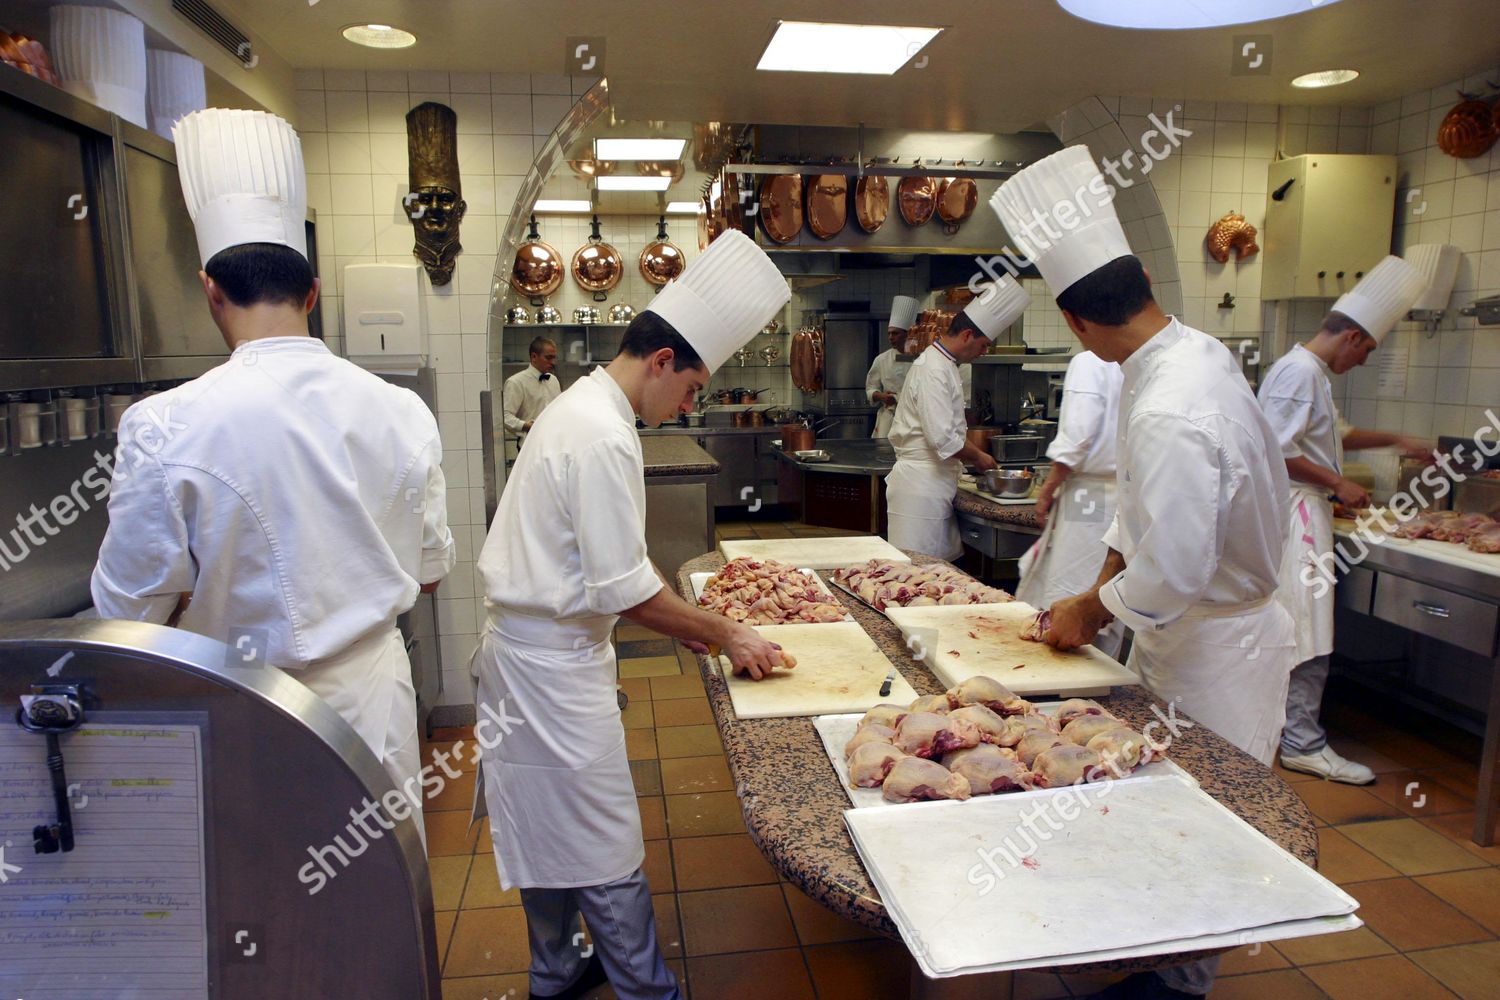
x: 538, y: 268
x: 597, y: 266
x: 732, y: 203
x: 662, y: 260
x: 979, y: 437
x: 795, y: 437
x: 917, y: 199
x: 956, y: 199
x: 827, y: 205
x: 872, y: 202
x: 781, y: 207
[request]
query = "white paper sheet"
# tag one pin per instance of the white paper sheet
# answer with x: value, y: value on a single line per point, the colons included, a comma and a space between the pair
x: 122, y: 915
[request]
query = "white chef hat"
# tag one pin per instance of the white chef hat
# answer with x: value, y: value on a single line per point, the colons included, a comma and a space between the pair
x: 1383, y: 297
x: 1060, y: 215
x: 1437, y: 263
x: 723, y: 297
x: 174, y: 88
x: 242, y: 179
x: 997, y: 306
x: 100, y: 54
x: 903, y: 312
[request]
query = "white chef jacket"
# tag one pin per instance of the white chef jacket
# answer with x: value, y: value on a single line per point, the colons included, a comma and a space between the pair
x: 1086, y: 428
x: 929, y: 425
x: 526, y: 395
x: 298, y: 498
x: 1297, y: 396
x: 1202, y: 498
x: 887, y: 374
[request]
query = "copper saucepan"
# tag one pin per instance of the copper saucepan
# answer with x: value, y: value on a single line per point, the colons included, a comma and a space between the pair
x: 956, y: 199
x: 795, y: 437
x: 872, y: 202
x: 827, y: 205
x: 979, y: 437
x: 916, y: 197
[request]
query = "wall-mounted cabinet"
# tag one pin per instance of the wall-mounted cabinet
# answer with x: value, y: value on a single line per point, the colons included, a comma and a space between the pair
x: 1328, y: 221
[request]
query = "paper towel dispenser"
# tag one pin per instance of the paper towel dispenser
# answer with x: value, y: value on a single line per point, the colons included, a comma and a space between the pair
x: 383, y: 328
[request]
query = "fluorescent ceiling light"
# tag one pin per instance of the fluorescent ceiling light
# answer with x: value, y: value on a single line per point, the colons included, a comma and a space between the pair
x: 632, y: 183
x: 1171, y: 14
x: 561, y: 205
x: 638, y: 149
x: 1325, y: 78
x: 683, y: 208
x: 818, y: 47
x: 380, y: 36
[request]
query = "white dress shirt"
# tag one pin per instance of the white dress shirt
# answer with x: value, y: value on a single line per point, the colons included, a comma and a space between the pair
x: 1202, y: 512
x: 929, y: 425
x: 1086, y: 428
x: 1297, y: 396
x: 527, y: 393
x: 298, y: 498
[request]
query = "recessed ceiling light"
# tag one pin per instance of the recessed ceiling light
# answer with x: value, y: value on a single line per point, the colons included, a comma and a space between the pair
x: 1172, y: 14
x: 1325, y: 78
x: 683, y: 208
x: 819, y: 47
x: 380, y: 36
x: 632, y: 183
x: 561, y: 205
x: 638, y: 149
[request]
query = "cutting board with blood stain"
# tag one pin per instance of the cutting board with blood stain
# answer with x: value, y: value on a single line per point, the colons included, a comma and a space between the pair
x: 815, y: 553
x: 839, y: 669
x: 957, y: 642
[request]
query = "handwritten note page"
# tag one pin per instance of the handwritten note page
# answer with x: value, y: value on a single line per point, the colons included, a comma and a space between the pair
x: 123, y: 914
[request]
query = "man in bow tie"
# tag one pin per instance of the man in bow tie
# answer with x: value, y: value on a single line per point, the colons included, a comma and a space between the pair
x: 530, y: 391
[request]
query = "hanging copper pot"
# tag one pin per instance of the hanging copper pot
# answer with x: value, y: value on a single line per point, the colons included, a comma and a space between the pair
x: 703, y: 217
x: 1468, y: 130
x: 827, y: 205
x: 538, y: 268
x: 597, y: 266
x: 589, y: 169
x: 956, y: 199
x: 917, y: 199
x: 714, y: 220
x: 872, y: 202
x: 662, y: 260
x: 781, y: 207
x: 731, y: 203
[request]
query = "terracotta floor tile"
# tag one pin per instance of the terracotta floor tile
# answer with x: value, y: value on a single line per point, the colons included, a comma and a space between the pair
x: 734, y: 531
x: 488, y: 942
x: 651, y: 666
x: 749, y: 918
x: 1392, y: 977
x: 1410, y: 751
x: 668, y: 925
x: 638, y: 715
x: 1410, y: 917
x: 483, y: 844
x: 647, y: 776
x: 1250, y: 958
x: 1470, y: 970
x: 684, y: 712
x: 1410, y: 847
x: 1341, y: 860
x: 817, y: 924
x: 636, y: 688
x: 688, y: 741
x: 444, y: 920
x: 483, y: 890
x: 1416, y: 794
x: 688, y: 659
x: 1322, y: 948
x: 461, y: 755
x: 456, y: 793
x: 869, y: 970
x: 683, y: 775
x: 448, y: 833
x: 1338, y: 804
x: 1476, y: 894
x: 449, y: 734
x: 448, y: 876
x: 1286, y: 984
x: 628, y: 632
x: 704, y: 815
x: 512, y: 987
x: 658, y: 866
x: 653, y: 817
x: 1459, y: 828
x: 725, y: 977
x: 640, y: 744
x: 1462, y: 779
x: 687, y: 685
x: 1361, y: 753
x: 719, y: 862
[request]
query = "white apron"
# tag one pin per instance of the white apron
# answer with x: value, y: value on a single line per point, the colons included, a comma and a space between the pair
x: 561, y: 801
x: 919, y: 505
x: 884, y: 417
x: 1311, y: 607
x: 1227, y: 668
x: 1066, y: 560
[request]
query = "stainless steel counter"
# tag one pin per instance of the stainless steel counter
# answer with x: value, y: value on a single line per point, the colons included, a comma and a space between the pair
x: 851, y: 456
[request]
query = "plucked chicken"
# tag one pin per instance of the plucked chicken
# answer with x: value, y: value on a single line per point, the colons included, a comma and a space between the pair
x: 870, y: 763
x: 1458, y: 529
x: 1067, y: 764
x: 766, y: 592
x: 1037, y: 630
x: 1122, y: 750
x: 931, y: 703
x: 1485, y: 538
x: 1424, y: 524
x: 883, y: 584
x: 1086, y: 727
x: 884, y: 714
x: 913, y: 779
x: 986, y: 691
x: 1036, y: 742
x: 992, y: 728
x: 927, y: 734
x: 873, y: 733
x: 989, y: 769
x: 1074, y: 708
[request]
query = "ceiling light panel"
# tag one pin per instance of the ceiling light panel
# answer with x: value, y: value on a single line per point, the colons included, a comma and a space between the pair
x: 639, y: 149
x: 821, y: 47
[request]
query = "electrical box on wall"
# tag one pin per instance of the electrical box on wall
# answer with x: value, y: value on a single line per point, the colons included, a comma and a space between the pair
x: 1328, y: 221
x: 383, y: 317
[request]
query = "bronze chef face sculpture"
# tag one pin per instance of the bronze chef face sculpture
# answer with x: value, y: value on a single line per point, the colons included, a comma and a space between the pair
x: 435, y: 205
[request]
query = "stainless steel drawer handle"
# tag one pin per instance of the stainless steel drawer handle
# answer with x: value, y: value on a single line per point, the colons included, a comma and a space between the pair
x: 1435, y: 610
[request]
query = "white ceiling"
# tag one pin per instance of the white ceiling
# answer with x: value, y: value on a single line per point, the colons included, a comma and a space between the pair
x: 1000, y: 65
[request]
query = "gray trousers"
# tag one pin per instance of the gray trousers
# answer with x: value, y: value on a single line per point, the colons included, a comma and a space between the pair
x: 1304, y: 734
x: 1194, y: 977
x: 622, y: 926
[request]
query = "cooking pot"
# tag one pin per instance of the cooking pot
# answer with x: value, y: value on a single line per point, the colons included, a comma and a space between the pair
x: 1007, y: 482
x: 827, y: 205
x: 585, y: 314
x: 518, y: 314
x: 548, y: 314
x: 979, y: 437
x: 783, y: 415
x: 956, y: 198
x: 621, y: 313
x: 872, y: 202
x: 1015, y: 447
x: 597, y: 266
x: 538, y: 269
x: 694, y: 419
x: 746, y: 396
x: 757, y: 418
x: 917, y: 199
x: 797, y: 437
x: 662, y: 260
x: 781, y: 207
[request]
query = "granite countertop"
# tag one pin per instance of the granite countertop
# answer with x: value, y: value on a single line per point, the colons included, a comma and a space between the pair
x: 793, y: 803
x: 851, y: 456
x: 1023, y: 514
x: 676, y: 456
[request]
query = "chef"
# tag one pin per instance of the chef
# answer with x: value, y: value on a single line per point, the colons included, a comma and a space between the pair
x: 928, y: 432
x: 530, y: 391
x: 291, y: 500
x: 564, y: 561
x: 1298, y: 399
x: 1077, y: 500
x: 1197, y: 536
x: 888, y: 373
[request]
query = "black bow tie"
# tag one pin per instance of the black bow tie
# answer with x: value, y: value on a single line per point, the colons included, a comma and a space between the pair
x: 544, y: 376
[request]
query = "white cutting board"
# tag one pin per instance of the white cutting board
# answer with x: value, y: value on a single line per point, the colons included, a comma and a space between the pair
x: 1444, y: 552
x: 699, y: 582
x: 819, y: 553
x: 839, y: 669
x: 1137, y: 866
x: 941, y: 638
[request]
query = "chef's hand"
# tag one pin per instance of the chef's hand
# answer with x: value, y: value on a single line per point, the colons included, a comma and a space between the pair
x: 1076, y: 621
x: 985, y: 463
x: 1415, y: 447
x: 701, y: 648
x: 1351, y: 494
x: 526, y: 427
x: 1044, y: 500
x: 749, y: 653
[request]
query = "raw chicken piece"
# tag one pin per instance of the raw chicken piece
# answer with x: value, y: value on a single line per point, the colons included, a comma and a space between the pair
x: 927, y: 734
x: 992, y: 728
x: 1122, y: 750
x: 1038, y: 627
x: 1458, y: 529
x: 986, y: 691
x: 1086, y: 727
x: 1075, y: 707
x: 930, y: 703
x: 913, y: 779
x: 1017, y: 726
x: 1067, y: 764
x: 882, y: 583
x: 873, y: 733
x: 1485, y: 539
x: 766, y: 592
x: 989, y: 769
x: 1035, y: 742
x: 885, y: 715
x: 1423, y: 525
x: 870, y: 763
